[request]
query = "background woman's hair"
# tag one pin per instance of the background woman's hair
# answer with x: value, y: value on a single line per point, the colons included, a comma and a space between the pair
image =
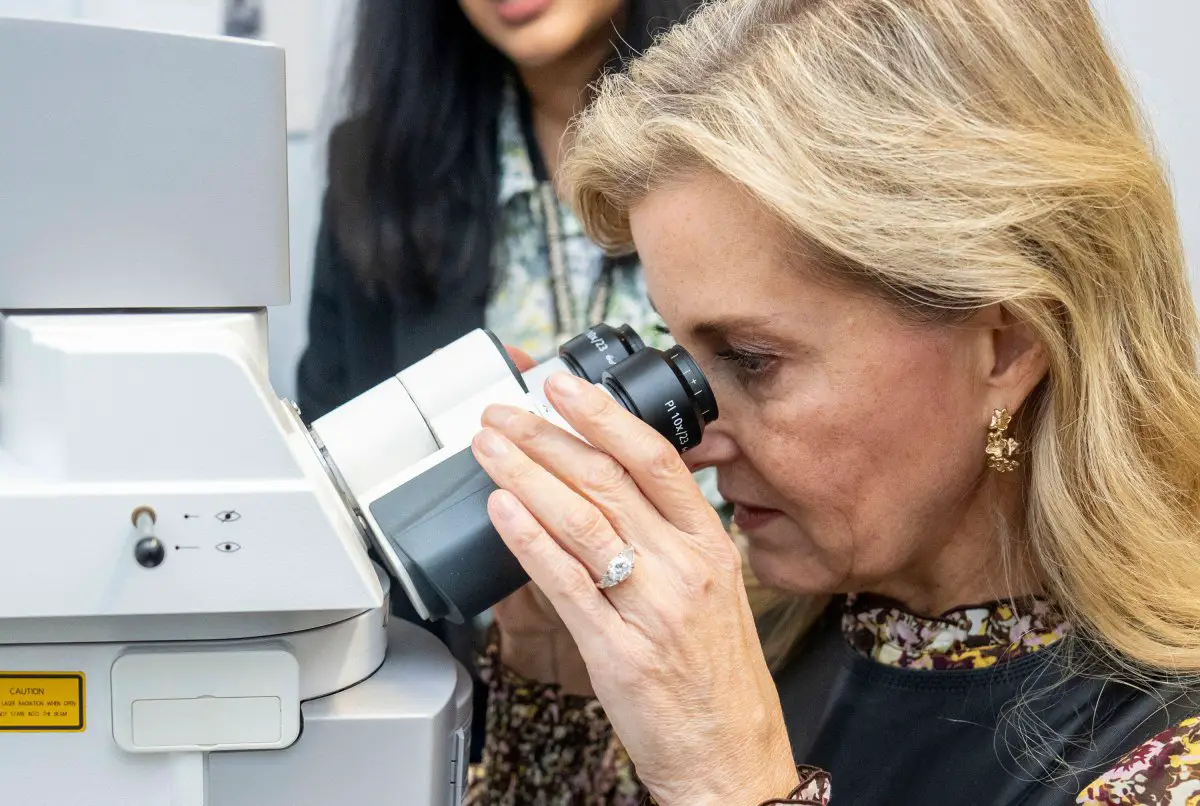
x: 952, y: 154
x: 416, y: 169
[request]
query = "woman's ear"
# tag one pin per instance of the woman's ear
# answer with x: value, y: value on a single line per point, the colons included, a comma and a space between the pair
x: 1018, y: 362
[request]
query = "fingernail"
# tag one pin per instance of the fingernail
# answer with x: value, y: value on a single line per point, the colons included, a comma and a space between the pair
x: 502, y: 504
x: 567, y: 385
x: 490, y: 443
x: 500, y: 415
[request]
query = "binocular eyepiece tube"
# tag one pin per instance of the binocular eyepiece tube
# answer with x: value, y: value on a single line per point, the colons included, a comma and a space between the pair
x: 400, y: 453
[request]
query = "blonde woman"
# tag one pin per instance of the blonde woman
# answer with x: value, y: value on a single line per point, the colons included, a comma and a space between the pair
x: 929, y: 262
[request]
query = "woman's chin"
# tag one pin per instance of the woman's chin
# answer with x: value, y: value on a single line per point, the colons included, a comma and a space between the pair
x: 765, y: 562
x: 787, y: 566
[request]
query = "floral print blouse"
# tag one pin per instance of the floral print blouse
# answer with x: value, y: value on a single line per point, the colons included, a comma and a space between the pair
x: 521, y: 311
x: 545, y: 748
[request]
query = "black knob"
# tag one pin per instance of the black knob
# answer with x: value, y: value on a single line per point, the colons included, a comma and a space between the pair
x: 149, y: 552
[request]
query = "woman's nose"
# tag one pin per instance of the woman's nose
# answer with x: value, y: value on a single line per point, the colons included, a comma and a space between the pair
x: 715, y: 448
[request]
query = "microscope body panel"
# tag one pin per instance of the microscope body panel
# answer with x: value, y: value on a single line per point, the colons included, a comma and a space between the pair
x: 252, y: 663
x: 101, y: 415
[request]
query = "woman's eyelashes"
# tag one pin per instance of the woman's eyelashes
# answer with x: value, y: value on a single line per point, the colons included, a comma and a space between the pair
x: 748, y: 364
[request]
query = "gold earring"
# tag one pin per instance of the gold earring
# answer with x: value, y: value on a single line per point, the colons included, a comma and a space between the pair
x: 1001, y: 449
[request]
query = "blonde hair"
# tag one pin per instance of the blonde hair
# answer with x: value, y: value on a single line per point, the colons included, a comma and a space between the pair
x: 953, y: 154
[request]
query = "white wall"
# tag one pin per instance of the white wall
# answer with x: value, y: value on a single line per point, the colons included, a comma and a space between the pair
x: 1154, y: 39
x: 1156, y: 43
x: 306, y: 186
x: 287, y: 325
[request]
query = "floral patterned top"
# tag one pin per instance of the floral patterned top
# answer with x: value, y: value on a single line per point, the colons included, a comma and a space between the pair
x: 967, y: 638
x: 521, y: 311
x: 1165, y: 771
x: 549, y: 749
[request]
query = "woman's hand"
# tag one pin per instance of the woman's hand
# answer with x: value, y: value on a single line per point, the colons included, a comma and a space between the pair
x: 534, y: 642
x: 672, y: 651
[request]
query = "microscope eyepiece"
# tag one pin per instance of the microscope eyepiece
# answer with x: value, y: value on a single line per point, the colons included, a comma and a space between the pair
x: 419, y: 493
x: 589, y: 355
x: 667, y: 391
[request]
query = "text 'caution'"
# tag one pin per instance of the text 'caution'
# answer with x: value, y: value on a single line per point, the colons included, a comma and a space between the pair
x: 41, y: 701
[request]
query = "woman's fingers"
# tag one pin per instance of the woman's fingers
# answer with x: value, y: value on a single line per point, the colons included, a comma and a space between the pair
x: 576, y: 523
x: 584, y: 610
x: 594, y: 474
x: 651, y: 460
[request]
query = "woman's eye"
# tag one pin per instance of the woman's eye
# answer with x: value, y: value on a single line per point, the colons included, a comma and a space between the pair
x: 748, y: 364
x: 662, y: 329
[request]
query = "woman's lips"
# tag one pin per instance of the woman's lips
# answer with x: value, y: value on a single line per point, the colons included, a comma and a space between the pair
x: 518, y: 12
x: 749, y: 518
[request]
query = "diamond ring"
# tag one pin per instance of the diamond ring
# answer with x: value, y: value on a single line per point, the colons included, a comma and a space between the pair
x: 618, y: 570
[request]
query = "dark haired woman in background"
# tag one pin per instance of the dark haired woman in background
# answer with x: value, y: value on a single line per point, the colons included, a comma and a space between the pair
x: 441, y: 216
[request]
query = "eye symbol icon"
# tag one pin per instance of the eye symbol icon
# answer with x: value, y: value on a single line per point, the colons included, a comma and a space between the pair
x: 228, y: 516
x: 228, y: 547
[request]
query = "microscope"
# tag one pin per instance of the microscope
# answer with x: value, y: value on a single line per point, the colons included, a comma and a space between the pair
x: 195, y: 582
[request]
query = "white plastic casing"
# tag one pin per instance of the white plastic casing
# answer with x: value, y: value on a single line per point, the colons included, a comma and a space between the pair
x: 179, y: 701
x: 443, y: 380
x: 411, y: 421
x: 536, y: 377
x: 102, y: 414
x: 144, y: 171
x: 140, y: 169
x: 375, y: 433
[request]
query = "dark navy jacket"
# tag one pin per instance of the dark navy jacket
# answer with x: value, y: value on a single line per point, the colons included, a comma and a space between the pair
x: 901, y: 737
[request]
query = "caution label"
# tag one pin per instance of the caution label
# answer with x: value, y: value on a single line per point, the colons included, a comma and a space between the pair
x: 41, y: 701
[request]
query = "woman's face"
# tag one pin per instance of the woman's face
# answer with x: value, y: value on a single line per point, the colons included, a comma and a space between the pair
x: 850, y: 439
x: 533, y: 33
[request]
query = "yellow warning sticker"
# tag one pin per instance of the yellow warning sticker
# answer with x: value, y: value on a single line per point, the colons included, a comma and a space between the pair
x: 41, y: 701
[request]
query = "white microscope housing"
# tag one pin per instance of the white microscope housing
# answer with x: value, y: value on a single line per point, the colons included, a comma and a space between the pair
x: 194, y: 582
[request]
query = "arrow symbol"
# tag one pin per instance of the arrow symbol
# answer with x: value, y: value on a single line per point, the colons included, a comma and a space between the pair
x: 187, y: 517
